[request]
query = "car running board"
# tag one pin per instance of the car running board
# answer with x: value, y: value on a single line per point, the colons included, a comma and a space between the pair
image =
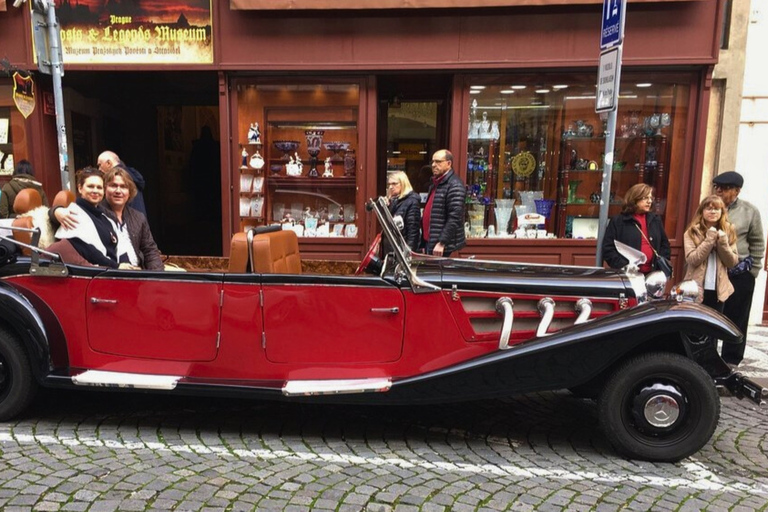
x: 336, y: 387
x: 125, y: 380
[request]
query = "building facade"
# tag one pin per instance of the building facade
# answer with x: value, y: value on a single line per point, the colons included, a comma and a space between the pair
x: 350, y: 94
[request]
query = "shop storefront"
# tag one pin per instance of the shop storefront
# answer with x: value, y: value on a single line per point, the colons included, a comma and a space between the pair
x: 341, y: 96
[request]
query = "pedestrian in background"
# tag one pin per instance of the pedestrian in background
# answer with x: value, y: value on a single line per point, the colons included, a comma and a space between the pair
x: 637, y: 227
x: 709, y: 243
x: 745, y: 218
x: 23, y: 177
x: 406, y: 204
x: 443, y: 221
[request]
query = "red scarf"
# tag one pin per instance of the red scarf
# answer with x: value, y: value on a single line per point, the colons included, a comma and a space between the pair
x: 645, y: 246
x: 427, y: 215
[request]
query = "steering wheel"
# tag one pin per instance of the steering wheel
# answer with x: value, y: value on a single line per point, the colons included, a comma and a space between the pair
x: 372, y: 250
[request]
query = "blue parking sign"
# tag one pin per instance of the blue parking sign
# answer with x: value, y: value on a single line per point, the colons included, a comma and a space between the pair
x: 612, y: 30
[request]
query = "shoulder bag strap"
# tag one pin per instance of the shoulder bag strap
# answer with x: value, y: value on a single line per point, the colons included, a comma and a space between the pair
x: 646, y: 239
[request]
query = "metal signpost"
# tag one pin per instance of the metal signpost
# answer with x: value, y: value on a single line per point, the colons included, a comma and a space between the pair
x: 47, y: 34
x: 607, y: 100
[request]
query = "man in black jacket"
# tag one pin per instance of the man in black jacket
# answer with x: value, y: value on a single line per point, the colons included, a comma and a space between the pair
x: 443, y: 219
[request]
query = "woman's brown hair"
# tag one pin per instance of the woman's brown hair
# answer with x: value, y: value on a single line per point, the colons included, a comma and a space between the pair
x: 633, y: 195
x: 698, y: 227
x: 85, y: 173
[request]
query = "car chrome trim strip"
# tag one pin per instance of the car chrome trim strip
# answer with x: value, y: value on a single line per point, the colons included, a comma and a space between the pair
x: 126, y: 380
x: 334, y: 387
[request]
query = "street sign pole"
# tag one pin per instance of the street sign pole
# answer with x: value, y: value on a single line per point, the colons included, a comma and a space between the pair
x: 54, y: 48
x: 607, y: 101
x: 49, y: 57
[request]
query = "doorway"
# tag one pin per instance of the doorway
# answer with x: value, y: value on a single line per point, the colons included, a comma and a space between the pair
x: 414, y: 111
x: 165, y: 125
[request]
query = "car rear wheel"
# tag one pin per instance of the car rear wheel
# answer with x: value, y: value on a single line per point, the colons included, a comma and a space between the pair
x: 17, y: 385
x: 659, y: 407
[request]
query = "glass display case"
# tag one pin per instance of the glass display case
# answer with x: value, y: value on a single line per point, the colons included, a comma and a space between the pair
x: 298, y: 165
x: 535, y: 153
x: 6, y: 145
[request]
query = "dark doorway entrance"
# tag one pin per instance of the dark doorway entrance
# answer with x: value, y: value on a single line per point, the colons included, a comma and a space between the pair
x: 414, y: 111
x: 166, y: 125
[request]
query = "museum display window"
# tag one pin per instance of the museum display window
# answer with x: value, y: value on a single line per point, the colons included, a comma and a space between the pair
x: 297, y: 166
x: 536, y: 151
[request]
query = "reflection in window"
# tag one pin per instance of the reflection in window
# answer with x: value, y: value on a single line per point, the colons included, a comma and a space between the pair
x: 535, y: 152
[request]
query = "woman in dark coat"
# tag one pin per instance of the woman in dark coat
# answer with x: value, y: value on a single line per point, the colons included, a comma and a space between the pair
x: 406, y: 203
x: 93, y: 237
x: 637, y: 227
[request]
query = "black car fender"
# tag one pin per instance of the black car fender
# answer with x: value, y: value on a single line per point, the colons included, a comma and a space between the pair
x: 578, y: 354
x: 19, y: 315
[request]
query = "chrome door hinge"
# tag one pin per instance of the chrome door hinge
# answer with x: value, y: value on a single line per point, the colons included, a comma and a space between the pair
x: 218, y: 340
x: 221, y: 299
x: 261, y: 298
x: 263, y: 340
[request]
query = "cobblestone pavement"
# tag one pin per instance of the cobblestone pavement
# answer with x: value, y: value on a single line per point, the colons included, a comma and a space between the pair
x: 102, y: 452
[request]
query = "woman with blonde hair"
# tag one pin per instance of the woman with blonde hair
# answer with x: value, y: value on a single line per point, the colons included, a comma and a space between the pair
x: 710, y: 250
x: 637, y: 227
x: 406, y: 203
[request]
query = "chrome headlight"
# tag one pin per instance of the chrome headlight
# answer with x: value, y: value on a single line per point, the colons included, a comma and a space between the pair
x: 685, y: 291
x: 655, y: 283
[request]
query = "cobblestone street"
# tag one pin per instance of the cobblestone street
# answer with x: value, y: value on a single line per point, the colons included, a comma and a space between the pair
x: 103, y: 452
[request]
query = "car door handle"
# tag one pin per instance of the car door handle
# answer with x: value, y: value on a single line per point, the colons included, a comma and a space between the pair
x: 393, y: 311
x: 95, y: 300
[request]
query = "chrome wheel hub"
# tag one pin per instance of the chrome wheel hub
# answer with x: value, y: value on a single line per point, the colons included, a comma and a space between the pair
x: 661, y: 411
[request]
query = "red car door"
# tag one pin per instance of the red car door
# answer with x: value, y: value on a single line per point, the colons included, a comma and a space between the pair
x: 171, y: 319
x: 332, y: 323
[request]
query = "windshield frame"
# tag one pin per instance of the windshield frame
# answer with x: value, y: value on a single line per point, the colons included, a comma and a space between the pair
x: 403, y: 254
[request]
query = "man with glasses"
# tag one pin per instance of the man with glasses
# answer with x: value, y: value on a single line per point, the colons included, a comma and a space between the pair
x: 443, y: 220
x: 745, y: 218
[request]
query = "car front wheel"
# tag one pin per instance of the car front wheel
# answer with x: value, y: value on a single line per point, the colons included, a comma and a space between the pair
x: 17, y: 385
x: 659, y: 407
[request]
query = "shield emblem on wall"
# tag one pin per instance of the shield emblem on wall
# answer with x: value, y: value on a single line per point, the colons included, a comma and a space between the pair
x: 24, y: 94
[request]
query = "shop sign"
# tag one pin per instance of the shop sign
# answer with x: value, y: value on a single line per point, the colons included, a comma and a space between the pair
x: 24, y: 94
x: 160, y: 32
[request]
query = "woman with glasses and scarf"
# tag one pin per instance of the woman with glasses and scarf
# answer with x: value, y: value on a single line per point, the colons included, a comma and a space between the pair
x: 710, y: 250
x: 406, y: 203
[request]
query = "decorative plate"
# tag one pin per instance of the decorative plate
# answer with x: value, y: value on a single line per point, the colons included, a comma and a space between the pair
x: 523, y: 164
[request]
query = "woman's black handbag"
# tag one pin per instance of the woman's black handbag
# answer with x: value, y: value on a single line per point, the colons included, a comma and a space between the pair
x: 663, y: 264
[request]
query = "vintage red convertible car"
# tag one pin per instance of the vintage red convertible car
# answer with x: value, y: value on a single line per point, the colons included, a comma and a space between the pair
x: 407, y: 328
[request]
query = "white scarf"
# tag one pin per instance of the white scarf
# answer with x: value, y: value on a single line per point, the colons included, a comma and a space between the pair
x: 85, y: 229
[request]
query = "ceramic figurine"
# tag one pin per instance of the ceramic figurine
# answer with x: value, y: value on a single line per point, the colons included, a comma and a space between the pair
x: 244, y: 162
x: 254, y: 135
x: 257, y: 161
x: 328, y: 168
x: 495, y: 134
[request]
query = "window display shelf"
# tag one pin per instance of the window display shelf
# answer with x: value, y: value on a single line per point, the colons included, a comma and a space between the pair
x: 309, y: 142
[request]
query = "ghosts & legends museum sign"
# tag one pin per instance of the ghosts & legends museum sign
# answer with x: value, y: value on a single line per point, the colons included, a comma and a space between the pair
x: 160, y: 32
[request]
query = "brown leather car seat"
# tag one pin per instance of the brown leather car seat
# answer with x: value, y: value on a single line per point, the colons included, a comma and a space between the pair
x: 238, y: 254
x: 26, y: 200
x: 276, y: 253
x: 63, y: 198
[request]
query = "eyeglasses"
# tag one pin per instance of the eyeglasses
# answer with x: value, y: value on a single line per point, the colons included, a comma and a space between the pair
x: 647, y: 198
x: 439, y: 161
x: 723, y: 187
x: 712, y: 209
x: 392, y: 184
